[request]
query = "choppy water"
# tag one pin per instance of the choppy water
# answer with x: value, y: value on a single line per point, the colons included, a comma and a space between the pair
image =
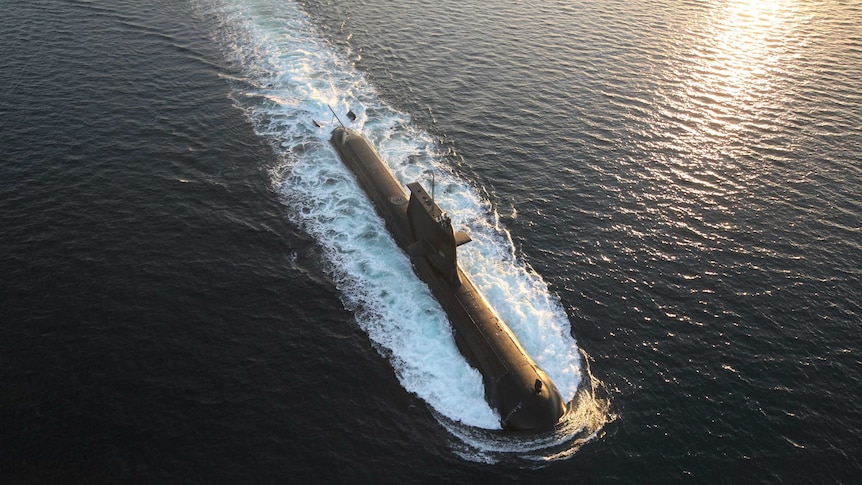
x: 192, y: 278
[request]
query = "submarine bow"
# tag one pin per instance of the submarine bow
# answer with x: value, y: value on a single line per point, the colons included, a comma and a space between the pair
x: 522, y: 394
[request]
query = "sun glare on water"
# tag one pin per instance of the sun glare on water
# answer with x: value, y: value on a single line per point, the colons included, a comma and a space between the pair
x: 739, y: 57
x: 734, y: 78
x: 748, y: 40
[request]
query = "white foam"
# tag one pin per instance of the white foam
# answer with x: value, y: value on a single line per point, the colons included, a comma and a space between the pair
x: 292, y: 75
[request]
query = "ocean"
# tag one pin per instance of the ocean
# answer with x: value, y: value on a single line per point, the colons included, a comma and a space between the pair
x: 663, y: 199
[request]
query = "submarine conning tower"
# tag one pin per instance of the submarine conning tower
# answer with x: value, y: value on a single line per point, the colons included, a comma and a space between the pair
x: 521, y: 393
x: 432, y: 230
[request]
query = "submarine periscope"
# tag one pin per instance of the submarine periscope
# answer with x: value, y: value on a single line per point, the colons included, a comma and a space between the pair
x: 519, y: 391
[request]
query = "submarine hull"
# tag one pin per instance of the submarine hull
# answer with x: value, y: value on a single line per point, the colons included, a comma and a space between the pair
x: 522, y: 394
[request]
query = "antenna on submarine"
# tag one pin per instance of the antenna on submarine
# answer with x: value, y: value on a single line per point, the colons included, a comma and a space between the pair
x: 431, y: 171
x: 336, y: 116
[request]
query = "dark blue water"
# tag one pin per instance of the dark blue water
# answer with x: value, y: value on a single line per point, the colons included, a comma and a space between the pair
x: 682, y: 176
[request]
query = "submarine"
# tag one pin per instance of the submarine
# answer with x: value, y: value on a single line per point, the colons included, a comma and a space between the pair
x: 520, y: 392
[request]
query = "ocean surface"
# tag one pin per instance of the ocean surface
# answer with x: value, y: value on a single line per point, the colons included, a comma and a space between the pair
x: 665, y: 201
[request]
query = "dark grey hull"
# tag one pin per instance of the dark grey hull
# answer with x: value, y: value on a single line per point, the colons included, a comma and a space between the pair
x: 522, y: 394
